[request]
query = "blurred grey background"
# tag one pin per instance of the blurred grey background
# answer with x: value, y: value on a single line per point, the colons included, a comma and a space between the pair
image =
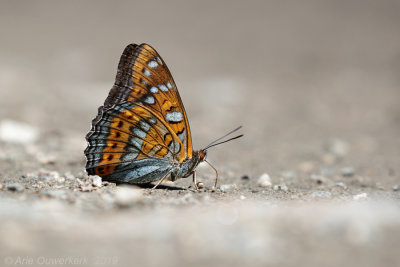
x: 291, y: 65
x: 296, y: 74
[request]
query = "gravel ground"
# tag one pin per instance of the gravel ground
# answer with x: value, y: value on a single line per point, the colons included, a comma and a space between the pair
x: 315, y: 181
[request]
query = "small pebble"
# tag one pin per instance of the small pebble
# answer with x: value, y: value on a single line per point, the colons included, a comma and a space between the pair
x: 15, y: 187
x: 347, y: 172
x: 242, y: 197
x: 1, y: 186
x: 126, y: 196
x: 342, y: 185
x: 361, y: 196
x: 281, y: 187
x: 227, y: 187
x: 396, y: 187
x: 96, y: 180
x: 200, y: 185
x: 319, y: 179
x: 264, y: 181
x: 338, y: 147
x: 245, y: 177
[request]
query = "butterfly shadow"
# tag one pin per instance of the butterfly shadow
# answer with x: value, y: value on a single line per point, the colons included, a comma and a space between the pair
x: 150, y: 185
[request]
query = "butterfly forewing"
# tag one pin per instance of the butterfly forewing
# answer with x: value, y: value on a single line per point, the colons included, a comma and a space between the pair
x: 144, y: 77
x: 143, y: 121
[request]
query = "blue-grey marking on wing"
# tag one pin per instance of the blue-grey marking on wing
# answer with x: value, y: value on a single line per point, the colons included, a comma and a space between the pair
x: 141, y: 171
x: 175, y: 147
x: 174, y: 116
x: 181, y: 136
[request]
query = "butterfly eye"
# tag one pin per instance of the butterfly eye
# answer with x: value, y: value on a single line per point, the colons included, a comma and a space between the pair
x: 203, y: 155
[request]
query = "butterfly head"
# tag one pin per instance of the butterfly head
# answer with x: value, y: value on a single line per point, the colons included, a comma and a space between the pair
x: 202, y: 155
x: 187, y: 167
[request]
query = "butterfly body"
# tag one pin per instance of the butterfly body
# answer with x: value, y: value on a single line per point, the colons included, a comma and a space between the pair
x: 141, y: 134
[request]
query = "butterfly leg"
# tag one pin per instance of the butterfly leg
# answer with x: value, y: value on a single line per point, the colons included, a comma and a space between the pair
x: 161, y: 180
x: 195, y: 180
x: 216, y: 173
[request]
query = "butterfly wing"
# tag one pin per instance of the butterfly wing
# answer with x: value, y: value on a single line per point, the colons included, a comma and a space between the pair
x: 129, y: 143
x: 142, y: 126
x: 144, y: 77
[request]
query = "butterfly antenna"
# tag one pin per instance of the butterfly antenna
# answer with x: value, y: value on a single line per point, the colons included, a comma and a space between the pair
x: 215, y: 143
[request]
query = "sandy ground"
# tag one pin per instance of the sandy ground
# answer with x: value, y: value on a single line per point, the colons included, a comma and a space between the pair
x: 314, y: 182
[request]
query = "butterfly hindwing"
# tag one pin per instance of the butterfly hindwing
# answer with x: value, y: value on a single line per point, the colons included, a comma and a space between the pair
x: 126, y: 136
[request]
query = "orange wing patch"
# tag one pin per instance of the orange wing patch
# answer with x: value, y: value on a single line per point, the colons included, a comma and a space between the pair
x: 151, y: 70
x: 138, y: 128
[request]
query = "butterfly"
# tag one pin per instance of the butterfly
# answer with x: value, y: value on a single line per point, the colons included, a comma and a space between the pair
x: 141, y: 134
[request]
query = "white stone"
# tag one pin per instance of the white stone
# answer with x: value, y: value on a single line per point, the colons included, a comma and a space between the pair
x: 227, y: 187
x: 264, y: 180
x: 338, y: 147
x: 361, y: 196
x: 126, y: 196
x: 18, y: 132
x: 200, y: 185
x: 342, y: 185
x: 281, y: 187
x: 96, y: 180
